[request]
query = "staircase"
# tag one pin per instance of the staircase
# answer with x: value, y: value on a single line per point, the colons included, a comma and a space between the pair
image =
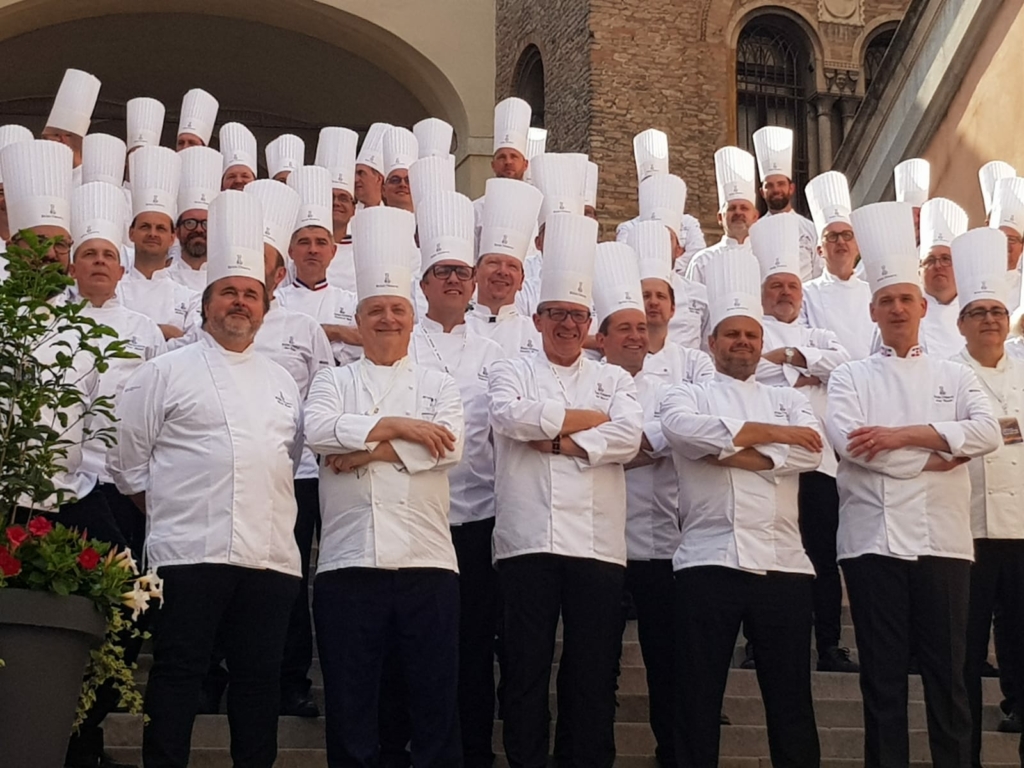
x: 744, y: 743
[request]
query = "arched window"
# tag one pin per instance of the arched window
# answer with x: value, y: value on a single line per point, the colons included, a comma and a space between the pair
x: 529, y: 83
x: 875, y: 52
x: 773, y: 63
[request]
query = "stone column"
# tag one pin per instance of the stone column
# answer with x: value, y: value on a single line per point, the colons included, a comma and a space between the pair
x: 849, y: 106
x: 823, y: 106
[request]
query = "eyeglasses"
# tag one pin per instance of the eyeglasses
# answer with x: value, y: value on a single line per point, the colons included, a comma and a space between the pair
x: 396, y: 181
x: 1010, y: 239
x: 579, y: 316
x: 998, y: 313
x: 191, y: 224
x: 834, y: 237
x: 60, y: 246
x: 444, y: 271
x: 937, y: 261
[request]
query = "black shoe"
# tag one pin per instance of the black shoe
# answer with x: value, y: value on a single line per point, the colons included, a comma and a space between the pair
x: 299, y: 705
x: 723, y: 719
x: 836, y: 659
x: 748, y: 659
x: 987, y: 670
x: 1011, y: 724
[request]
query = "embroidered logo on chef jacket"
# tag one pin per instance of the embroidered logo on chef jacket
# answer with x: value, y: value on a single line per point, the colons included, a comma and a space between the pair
x: 133, y: 345
x: 781, y: 412
x: 482, y: 374
x: 280, y: 398
x: 942, y: 396
x: 290, y: 345
x: 428, y: 406
x: 697, y: 308
x: 345, y: 317
x: 181, y: 309
x: 601, y: 394
x: 528, y: 348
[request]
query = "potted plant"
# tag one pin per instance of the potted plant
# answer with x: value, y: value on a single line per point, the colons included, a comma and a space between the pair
x: 63, y: 597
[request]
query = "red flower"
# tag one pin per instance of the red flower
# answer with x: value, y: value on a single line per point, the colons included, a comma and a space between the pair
x: 39, y: 526
x: 16, y: 535
x: 89, y: 558
x: 9, y: 564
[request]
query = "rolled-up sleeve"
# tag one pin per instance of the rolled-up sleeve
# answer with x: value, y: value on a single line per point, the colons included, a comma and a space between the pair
x: 513, y: 414
x: 140, y: 417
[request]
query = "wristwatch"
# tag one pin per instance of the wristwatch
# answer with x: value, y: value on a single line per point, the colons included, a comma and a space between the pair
x: 556, y: 445
x: 790, y: 353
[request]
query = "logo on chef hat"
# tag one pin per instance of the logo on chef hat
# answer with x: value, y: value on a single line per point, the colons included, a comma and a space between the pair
x: 53, y: 210
x: 885, y: 271
x: 504, y: 239
x: 239, y: 262
x: 202, y: 197
x: 387, y: 278
x: 983, y: 286
x: 735, y: 303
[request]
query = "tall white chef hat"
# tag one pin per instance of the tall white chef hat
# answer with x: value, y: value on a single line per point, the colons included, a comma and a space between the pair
x: 734, y: 173
x: 430, y: 175
x: 313, y: 184
x: 888, y: 245
x: 76, y: 99
x: 444, y: 221
x: 98, y: 211
x: 37, y: 184
x: 285, y: 153
x: 380, y: 245
x: 536, y: 144
x: 562, y: 179
x: 145, y: 122
x: 662, y: 197
x: 103, y: 158
x: 12, y: 134
x: 372, y: 152
x: 198, y: 114
x: 280, y: 204
x: 775, y: 241
x: 734, y: 286
x: 988, y: 175
x: 569, y: 248
x: 650, y: 151
x: 400, y: 149
x: 511, y: 125
x: 336, y: 151
x: 653, y: 246
x: 200, y: 178
x: 828, y: 197
x: 433, y: 137
x: 616, y: 281
x: 234, y: 238
x: 913, y: 181
x: 979, y: 264
x: 238, y: 146
x: 774, y: 148
x: 509, y: 217
x: 156, y: 176
x: 942, y: 221
x: 1008, y: 205
x: 590, y: 185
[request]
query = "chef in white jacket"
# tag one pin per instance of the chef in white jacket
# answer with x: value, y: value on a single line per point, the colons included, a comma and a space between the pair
x: 507, y: 223
x: 564, y: 426
x: 942, y: 221
x: 208, y: 440
x: 800, y: 357
x: 336, y: 151
x: 979, y: 258
x: 197, y: 118
x: 369, y: 186
x: 739, y: 446
x: 200, y: 183
x: 904, y: 423
x: 388, y: 431
x: 1008, y: 217
x: 838, y: 300
x: 311, y: 251
x: 737, y: 207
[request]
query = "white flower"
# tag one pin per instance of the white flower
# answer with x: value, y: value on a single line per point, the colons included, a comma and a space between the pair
x: 137, y: 599
x: 154, y: 585
x: 125, y: 560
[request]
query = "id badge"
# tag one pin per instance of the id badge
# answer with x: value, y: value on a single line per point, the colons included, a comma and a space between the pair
x: 1010, y: 427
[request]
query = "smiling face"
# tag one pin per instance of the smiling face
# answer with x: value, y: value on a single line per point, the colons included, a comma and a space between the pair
x: 451, y: 293
x: 96, y: 269
x: 343, y: 208
x: 563, y: 336
x: 984, y: 324
x: 736, y: 346
x: 237, y: 177
x: 385, y: 325
x: 781, y: 297
x: 397, y: 192
x: 898, y: 311
x: 498, y: 279
x: 623, y: 339
x: 777, y: 192
x: 152, y: 234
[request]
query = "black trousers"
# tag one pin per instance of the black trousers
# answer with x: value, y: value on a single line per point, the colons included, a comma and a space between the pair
x: 298, y: 648
x: 478, y: 589
x: 588, y: 595
x: 651, y: 584
x: 357, y: 611
x: 818, y: 501
x: 898, y: 605
x: 710, y: 603
x: 997, y: 577
x: 249, y: 608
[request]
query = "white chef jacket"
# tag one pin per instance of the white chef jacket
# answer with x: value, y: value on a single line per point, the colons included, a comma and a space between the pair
x: 328, y: 305
x: 889, y: 506
x: 162, y: 299
x: 689, y: 325
x: 698, y: 264
x: 193, y: 279
x: 513, y: 332
x: 997, y: 480
x: 652, y: 491
x: 213, y: 437
x: 528, y: 296
x: 1013, y: 281
x: 342, y: 269
x: 823, y: 353
x: 560, y: 504
x: 692, y: 238
x: 730, y: 517
x: 145, y: 341
x: 1015, y: 347
x: 466, y: 357
x: 938, y: 335
x: 383, y: 515
x: 811, y: 263
x: 840, y: 306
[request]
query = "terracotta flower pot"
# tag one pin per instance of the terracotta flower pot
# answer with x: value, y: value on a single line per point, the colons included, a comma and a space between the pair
x: 45, y: 641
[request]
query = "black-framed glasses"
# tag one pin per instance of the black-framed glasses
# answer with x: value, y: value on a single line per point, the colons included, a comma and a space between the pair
x: 60, y: 246
x: 834, y: 237
x: 937, y: 261
x: 191, y: 224
x: 558, y: 315
x: 998, y: 313
x: 444, y: 271
x: 396, y: 180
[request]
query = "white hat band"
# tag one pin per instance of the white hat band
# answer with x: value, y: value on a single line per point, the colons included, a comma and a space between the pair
x: 43, y: 211
x: 98, y: 229
x: 501, y: 241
